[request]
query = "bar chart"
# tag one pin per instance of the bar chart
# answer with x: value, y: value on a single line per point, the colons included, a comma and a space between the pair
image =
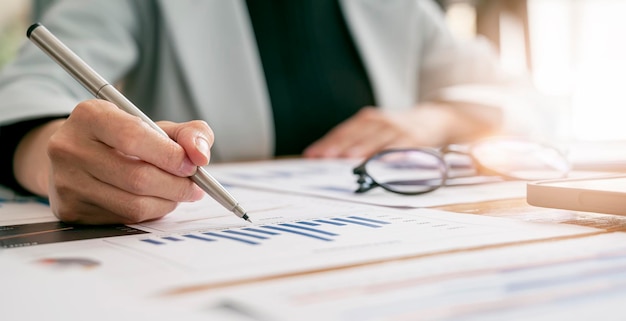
x: 312, y: 229
x: 292, y: 245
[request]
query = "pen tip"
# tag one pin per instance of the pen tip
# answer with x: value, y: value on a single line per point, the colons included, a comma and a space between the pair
x: 239, y: 211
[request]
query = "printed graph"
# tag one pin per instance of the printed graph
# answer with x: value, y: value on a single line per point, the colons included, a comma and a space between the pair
x: 311, y: 229
x: 310, y: 243
x: 15, y: 236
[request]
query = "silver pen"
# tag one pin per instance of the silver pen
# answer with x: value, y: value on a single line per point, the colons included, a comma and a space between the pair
x: 101, y: 89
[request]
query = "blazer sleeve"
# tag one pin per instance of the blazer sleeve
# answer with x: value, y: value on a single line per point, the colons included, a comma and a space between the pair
x: 102, y: 32
x: 11, y: 136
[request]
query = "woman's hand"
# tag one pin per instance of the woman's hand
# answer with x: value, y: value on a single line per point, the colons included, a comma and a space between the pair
x: 373, y: 129
x: 104, y: 166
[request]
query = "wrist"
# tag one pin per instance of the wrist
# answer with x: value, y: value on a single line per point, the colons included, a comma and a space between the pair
x: 457, y: 123
x: 431, y: 124
x: 31, y: 162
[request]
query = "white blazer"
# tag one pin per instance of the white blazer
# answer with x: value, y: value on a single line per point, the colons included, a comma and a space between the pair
x: 197, y: 59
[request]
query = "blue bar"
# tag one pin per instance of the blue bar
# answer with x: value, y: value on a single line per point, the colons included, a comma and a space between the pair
x: 260, y: 231
x: 308, y: 229
x: 308, y: 223
x: 345, y: 220
x: 368, y: 220
x: 330, y: 222
x: 155, y: 242
x: 171, y: 238
x: 296, y: 232
x: 246, y: 234
x: 231, y: 238
x: 197, y: 237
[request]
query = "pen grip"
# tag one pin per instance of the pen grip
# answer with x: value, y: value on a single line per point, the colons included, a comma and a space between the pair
x: 211, y: 186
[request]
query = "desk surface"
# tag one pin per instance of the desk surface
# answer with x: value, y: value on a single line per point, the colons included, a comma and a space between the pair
x: 519, y: 209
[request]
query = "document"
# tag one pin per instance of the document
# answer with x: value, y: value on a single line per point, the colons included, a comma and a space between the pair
x: 334, y: 179
x: 202, y: 246
x: 36, y: 292
x: 574, y: 279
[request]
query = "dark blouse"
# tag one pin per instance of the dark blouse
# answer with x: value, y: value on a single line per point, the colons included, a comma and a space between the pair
x: 314, y: 75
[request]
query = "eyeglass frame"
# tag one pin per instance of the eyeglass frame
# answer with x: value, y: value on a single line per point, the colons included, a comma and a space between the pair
x: 367, y: 182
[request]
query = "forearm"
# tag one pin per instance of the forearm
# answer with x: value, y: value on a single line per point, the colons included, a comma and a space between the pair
x: 458, y: 122
x: 428, y: 124
x: 438, y: 124
x: 30, y: 161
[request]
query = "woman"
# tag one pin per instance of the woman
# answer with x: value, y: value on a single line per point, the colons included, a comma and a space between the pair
x: 321, y: 78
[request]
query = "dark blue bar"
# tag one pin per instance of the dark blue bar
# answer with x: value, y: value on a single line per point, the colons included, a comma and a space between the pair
x: 197, y: 237
x: 155, y: 242
x: 246, y: 234
x: 308, y: 229
x: 260, y: 231
x: 308, y: 223
x: 171, y: 238
x: 296, y: 232
x: 231, y: 238
x: 330, y: 222
x: 368, y: 220
x: 345, y: 220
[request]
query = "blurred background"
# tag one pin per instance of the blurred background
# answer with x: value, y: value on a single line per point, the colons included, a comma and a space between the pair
x: 573, y: 50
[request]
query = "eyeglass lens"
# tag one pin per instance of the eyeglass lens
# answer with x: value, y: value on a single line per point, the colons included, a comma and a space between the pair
x: 521, y: 159
x: 407, y: 171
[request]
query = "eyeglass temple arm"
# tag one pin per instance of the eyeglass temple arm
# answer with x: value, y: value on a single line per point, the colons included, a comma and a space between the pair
x: 365, y: 181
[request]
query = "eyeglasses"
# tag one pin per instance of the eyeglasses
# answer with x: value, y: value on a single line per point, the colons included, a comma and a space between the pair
x: 421, y: 170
